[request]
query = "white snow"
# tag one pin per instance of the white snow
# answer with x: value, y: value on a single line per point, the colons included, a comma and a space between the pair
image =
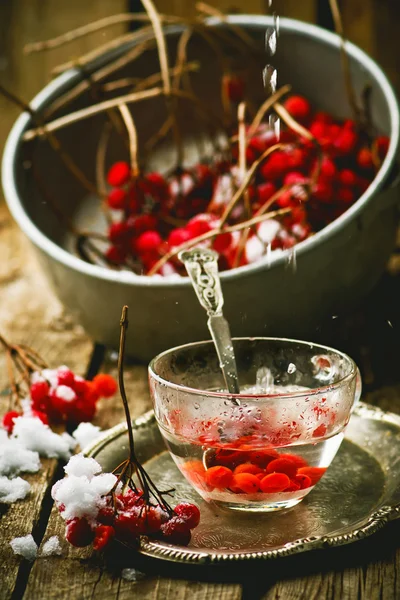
x: 51, y: 547
x: 34, y: 435
x: 25, y: 546
x: 82, y: 495
x: 12, y: 490
x: 79, y: 466
x: 85, y: 434
x: 65, y: 393
x: 254, y: 249
x: 131, y: 574
x: 14, y: 458
x: 49, y: 375
x: 268, y: 230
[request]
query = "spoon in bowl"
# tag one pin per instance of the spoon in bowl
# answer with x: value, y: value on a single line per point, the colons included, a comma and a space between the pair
x: 202, y: 267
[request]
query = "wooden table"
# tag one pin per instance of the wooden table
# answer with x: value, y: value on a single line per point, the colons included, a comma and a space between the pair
x: 30, y: 313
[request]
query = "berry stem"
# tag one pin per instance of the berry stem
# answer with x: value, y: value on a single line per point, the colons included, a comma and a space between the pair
x: 124, y: 326
x: 337, y: 19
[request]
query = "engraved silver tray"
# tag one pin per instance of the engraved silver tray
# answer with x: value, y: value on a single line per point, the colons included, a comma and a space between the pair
x: 359, y: 494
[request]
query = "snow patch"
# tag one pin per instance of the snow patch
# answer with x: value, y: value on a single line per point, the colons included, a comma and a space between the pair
x: 86, y: 433
x: 25, y: 546
x: 12, y: 490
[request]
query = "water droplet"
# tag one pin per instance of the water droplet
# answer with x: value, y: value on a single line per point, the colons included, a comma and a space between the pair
x: 197, y: 405
x: 291, y: 368
x: 270, y: 79
x: 271, y: 40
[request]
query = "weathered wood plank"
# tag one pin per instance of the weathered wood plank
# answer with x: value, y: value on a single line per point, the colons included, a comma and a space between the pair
x: 30, y: 314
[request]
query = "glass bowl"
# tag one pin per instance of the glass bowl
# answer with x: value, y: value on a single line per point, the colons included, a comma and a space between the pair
x: 265, y: 449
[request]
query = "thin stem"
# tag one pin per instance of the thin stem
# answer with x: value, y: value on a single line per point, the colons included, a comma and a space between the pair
x: 269, y: 102
x: 133, y: 140
x: 101, y: 50
x: 250, y: 174
x: 97, y: 76
x: 337, y: 19
x: 124, y: 327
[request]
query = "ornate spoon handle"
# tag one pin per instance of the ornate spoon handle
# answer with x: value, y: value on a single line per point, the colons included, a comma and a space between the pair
x: 202, y: 267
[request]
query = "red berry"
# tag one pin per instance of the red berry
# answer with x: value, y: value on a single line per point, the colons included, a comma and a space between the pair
x: 346, y: 195
x: 141, y: 223
x: 116, y: 199
x: 131, y: 499
x: 297, y: 159
x: 282, y: 465
x: 148, y: 241
x: 106, y: 515
x: 274, y: 483
x: 178, y: 236
x: 39, y: 391
x: 303, y: 480
x: 65, y: 377
x: 328, y: 168
x: 323, y: 191
x: 364, y: 159
x: 105, y: 385
x: 318, y: 130
x: 119, y: 174
x: 346, y: 141
x: 79, y: 533
x: 154, y: 517
x: 189, y: 513
x: 246, y: 483
x: 116, y: 255
x: 234, y: 87
x: 130, y: 524
x: 103, y: 535
x: 275, y: 166
x: 294, y: 178
x: 199, y: 225
x: 40, y: 415
x: 347, y: 178
x: 8, y: 420
x: 298, y: 107
x: 323, y: 117
x: 82, y: 410
x: 265, y: 191
x: 285, y: 199
x: 382, y: 144
x: 176, y: 531
x: 314, y: 473
x: 219, y: 477
x: 222, y: 242
x: 118, y: 233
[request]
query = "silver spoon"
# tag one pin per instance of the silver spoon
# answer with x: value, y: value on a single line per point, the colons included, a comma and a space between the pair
x: 202, y: 267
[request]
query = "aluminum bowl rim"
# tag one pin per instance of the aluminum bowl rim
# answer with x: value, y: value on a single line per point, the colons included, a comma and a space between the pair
x: 64, y: 81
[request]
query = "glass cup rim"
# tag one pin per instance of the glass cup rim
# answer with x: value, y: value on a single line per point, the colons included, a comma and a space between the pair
x: 223, y: 395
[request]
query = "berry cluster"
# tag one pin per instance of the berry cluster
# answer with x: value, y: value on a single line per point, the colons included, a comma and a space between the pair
x: 96, y: 510
x: 60, y: 396
x: 318, y: 182
x: 251, y: 472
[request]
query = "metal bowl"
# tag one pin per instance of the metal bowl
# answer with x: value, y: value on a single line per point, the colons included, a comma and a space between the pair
x: 335, y: 268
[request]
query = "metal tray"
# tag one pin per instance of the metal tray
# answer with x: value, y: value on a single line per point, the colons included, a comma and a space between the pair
x: 359, y: 494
